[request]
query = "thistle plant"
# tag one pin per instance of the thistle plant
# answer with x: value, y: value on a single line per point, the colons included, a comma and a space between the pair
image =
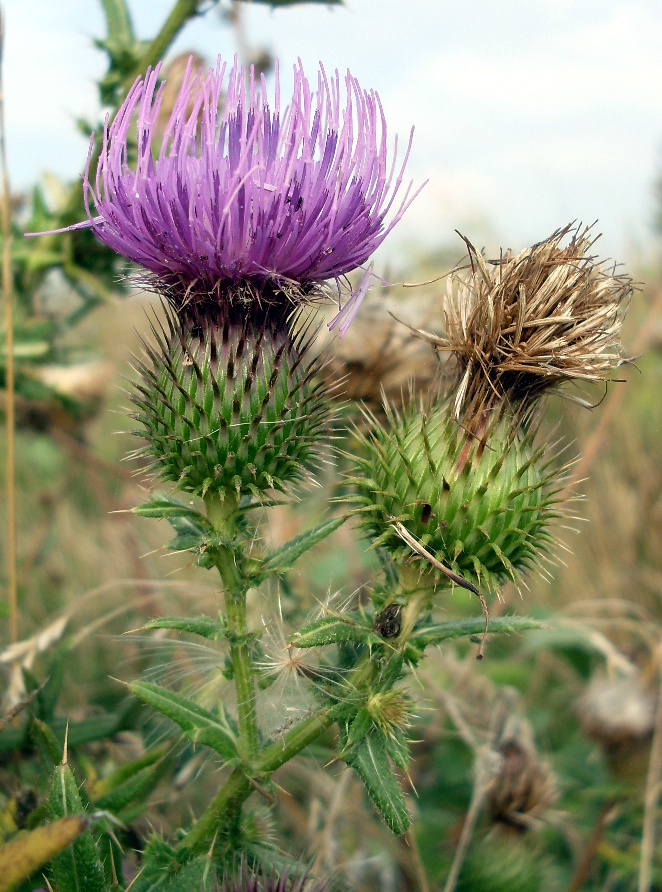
x: 242, y: 218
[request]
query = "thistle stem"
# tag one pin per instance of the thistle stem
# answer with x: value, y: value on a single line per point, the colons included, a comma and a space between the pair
x: 237, y: 788
x: 222, y: 514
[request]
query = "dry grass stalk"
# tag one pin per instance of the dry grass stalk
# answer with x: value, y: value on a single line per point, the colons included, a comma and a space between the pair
x: 529, y: 322
x: 7, y: 287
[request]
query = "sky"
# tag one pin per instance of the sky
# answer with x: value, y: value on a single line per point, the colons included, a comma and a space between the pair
x: 528, y: 114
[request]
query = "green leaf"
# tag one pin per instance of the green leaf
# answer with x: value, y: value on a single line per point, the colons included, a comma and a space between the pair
x: 197, y: 876
x: 86, y: 731
x: 168, y: 507
x: 285, y: 556
x: 165, y: 870
x: 359, y: 727
x: 134, y: 789
x: 396, y: 748
x: 47, y: 742
x: 334, y: 630
x: 370, y: 761
x: 197, y: 724
x: 205, y: 626
x: 463, y: 628
x: 78, y: 868
x: 50, y: 693
x: 158, y: 864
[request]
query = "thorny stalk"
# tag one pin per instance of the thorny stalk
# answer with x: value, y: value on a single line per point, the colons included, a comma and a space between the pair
x: 222, y: 514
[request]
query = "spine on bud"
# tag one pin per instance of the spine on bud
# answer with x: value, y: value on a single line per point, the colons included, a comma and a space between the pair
x: 229, y: 406
x: 482, y: 508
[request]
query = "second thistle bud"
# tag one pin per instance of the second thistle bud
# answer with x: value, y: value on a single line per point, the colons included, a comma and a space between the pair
x: 229, y: 405
x: 481, y: 508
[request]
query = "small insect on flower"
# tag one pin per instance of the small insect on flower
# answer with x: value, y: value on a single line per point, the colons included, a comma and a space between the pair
x: 389, y: 620
x: 243, y: 199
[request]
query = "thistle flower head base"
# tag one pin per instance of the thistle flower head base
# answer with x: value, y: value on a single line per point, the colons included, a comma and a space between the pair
x: 229, y: 405
x: 481, y: 508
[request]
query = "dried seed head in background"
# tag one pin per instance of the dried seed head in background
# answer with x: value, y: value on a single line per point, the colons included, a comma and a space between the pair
x: 525, y: 785
x: 619, y: 714
x: 529, y: 322
x: 378, y: 357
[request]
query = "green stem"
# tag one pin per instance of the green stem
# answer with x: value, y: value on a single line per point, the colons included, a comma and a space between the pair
x: 221, y: 812
x: 222, y: 514
x: 181, y: 12
x: 227, y: 803
x: 237, y: 788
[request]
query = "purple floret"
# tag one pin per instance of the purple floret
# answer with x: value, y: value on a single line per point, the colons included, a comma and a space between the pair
x: 240, y: 191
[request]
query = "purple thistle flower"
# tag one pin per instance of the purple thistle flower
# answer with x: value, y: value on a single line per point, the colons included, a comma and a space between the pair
x: 240, y: 192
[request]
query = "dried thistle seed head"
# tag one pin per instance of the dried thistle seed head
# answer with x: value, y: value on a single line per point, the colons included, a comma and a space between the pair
x: 619, y: 714
x: 524, y: 786
x: 482, y: 508
x: 529, y: 322
x: 378, y: 356
x: 230, y: 405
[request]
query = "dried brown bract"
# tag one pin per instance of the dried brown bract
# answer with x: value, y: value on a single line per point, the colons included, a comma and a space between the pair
x: 529, y: 322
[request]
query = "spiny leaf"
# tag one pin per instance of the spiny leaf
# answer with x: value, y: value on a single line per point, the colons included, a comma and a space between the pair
x: 370, y: 761
x: 205, y: 626
x: 78, y: 869
x: 159, y: 863
x: 285, y: 556
x: 462, y: 628
x: 169, y: 507
x: 197, y: 724
x: 334, y: 630
x: 198, y: 875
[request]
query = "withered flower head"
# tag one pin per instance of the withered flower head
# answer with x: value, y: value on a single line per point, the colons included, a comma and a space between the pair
x: 524, y: 787
x: 378, y: 359
x: 619, y: 714
x: 526, y: 323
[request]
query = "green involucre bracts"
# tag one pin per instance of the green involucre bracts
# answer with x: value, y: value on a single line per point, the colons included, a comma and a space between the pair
x: 483, y: 509
x: 230, y: 406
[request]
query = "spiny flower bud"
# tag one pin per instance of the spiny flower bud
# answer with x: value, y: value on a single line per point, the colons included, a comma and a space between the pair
x: 526, y: 323
x: 390, y: 710
x: 229, y: 405
x: 285, y: 880
x: 481, y: 508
